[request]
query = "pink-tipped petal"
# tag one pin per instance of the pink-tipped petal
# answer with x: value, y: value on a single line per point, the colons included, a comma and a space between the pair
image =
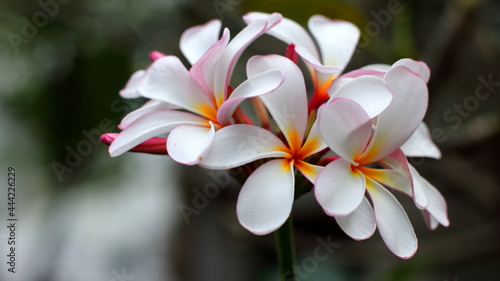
x: 108, y: 138
x: 371, y: 92
x: 287, y: 31
x: 430, y: 221
x: 195, y: 41
x: 168, y: 80
x: 260, y: 84
x: 339, y: 189
x: 130, y: 91
x: 322, y: 74
x: 342, y: 80
x: 288, y: 103
x: 148, y: 107
x: 151, y: 125
x: 155, y: 55
x: 203, y: 70
x: 152, y: 146
x: 420, y: 144
x: 401, y: 118
x: 418, y: 184
x: 360, y: 224
x: 436, y: 204
x: 336, y: 39
x: 392, y: 222
x: 188, y: 144
x: 345, y: 127
x: 419, y: 67
x: 239, y: 144
x: 364, y: 71
x: 265, y: 200
x: 402, y: 177
x: 378, y: 67
x: 232, y: 52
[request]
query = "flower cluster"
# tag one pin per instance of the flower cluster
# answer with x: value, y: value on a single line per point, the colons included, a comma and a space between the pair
x: 352, y: 137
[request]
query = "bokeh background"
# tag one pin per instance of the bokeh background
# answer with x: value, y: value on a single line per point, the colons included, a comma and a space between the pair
x: 85, y: 216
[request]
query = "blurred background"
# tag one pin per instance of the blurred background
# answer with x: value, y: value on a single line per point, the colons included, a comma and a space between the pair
x: 85, y: 216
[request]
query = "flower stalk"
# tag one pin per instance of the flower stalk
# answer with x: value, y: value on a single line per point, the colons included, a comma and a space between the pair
x: 286, y: 250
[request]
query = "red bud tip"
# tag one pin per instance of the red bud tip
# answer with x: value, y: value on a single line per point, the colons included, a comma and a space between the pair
x: 108, y: 138
x: 154, y: 55
x: 292, y: 54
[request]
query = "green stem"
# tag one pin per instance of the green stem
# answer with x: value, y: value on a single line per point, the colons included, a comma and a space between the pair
x: 286, y: 251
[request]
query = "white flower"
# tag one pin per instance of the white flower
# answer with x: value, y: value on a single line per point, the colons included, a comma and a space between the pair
x: 266, y: 198
x: 336, y: 41
x: 202, y: 92
x: 350, y: 132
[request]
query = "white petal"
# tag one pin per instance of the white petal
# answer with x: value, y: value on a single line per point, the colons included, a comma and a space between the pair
x: 203, y: 70
x: 430, y: 221
x: 436, y: 204
x: 288, y: 103
x: 366, y: 70
x: 338, y: 83
x: 188, y: 144
x: 371, y: 92
x: 148, y: 107
x: 401, y: 118
x: 322, y: 74
x: 420, y: 144
x: 255, y: 86
x: 401, y: 176
x: 390, y: 178
x: 287, y: 31
x: 309, y: 171
x: 360, y: 224
x: 168, y: 80
x: 345, y: 127
x: 265, y: 200
x: 420, y: 68
x: 314, y: 142
x: 392, y: 222
x: 130, y: 91
x: 418, y: 184
x: 336, y: 39
x: 151, y: 125
x: 236, y: 145
x: 381, y: 67
x: 227, y: 61
x: 195, y: 41
x: 339, y: 189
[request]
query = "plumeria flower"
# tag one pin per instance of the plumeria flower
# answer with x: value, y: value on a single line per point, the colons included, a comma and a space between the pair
x: 420, y: 144
x: 131, y: 91
x: 200, y: 37
x: 202, y: 92
x: 266, y: 198
x: 361, y: 142
x: 336, y: 41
